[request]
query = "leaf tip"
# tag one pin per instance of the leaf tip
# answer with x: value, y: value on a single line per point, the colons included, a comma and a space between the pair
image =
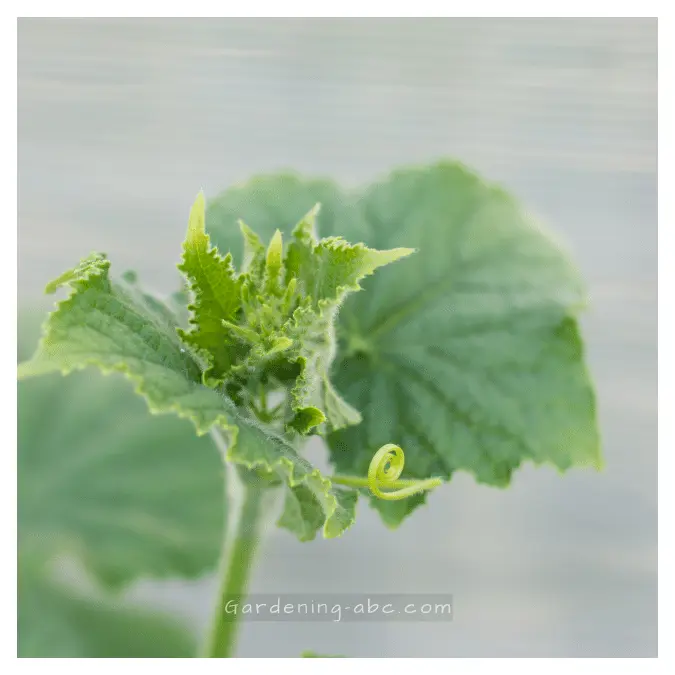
x: 394, y: 254
x: 274, y: 250
x: 197, y: 218
x: 306, y: 228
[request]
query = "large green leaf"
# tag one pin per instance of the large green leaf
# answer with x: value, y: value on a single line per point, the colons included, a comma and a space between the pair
x: 116, y: 327
x: 467, y: 354
x: 471, y: 354
x: 55, y: 621
x: 132, y: 495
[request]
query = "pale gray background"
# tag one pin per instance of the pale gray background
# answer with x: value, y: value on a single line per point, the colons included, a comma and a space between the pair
x: 122, y: 121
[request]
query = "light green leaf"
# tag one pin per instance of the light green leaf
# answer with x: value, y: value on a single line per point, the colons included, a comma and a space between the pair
x: 274, y: 264
x: 55, y: 621
x: 254, y: 259
x: 118, y: 329
x: 329, y: 269
x: 217, y: 296
x: 335, y: 267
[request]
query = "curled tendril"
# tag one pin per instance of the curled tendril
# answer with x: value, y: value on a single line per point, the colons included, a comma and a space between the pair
x: 383, y: 472
x: 385, y: 468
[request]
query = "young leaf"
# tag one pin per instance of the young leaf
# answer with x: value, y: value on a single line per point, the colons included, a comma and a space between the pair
x: 118, y: 329
x: 253, y: 263
x: 274, y: 264
x: 326, y: 271
x: 335, y: 268
x: 217, y: 296
x: 313, y: 336
x: 330, y: 269
x: 290, y: 305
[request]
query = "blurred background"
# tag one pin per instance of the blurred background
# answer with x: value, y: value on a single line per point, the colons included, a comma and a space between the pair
x: 120, y: 122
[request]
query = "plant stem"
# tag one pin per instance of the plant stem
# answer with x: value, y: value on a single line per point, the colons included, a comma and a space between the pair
x: 247, y: 508
x: 242, y: 547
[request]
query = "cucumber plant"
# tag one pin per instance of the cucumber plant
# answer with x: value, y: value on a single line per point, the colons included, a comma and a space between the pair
x: 444, y: 339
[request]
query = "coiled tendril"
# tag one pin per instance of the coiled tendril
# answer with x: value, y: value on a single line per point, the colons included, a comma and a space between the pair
x: 383, y: 472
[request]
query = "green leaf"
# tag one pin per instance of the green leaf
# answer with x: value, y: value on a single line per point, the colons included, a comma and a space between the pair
x: 117, y: 328
x: 274, y: 264
x: 312, y: 333
x: 468, y: 354
x: 254, y: 260
x: 327, y: 271
x: 217, y: 296
x: 313, y: 655
x: 55, y: 621
x: 306, y: 419
x: 303, y: 512
x: 332, y: 268
x: 259, y: 449
x: 131, y: 495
